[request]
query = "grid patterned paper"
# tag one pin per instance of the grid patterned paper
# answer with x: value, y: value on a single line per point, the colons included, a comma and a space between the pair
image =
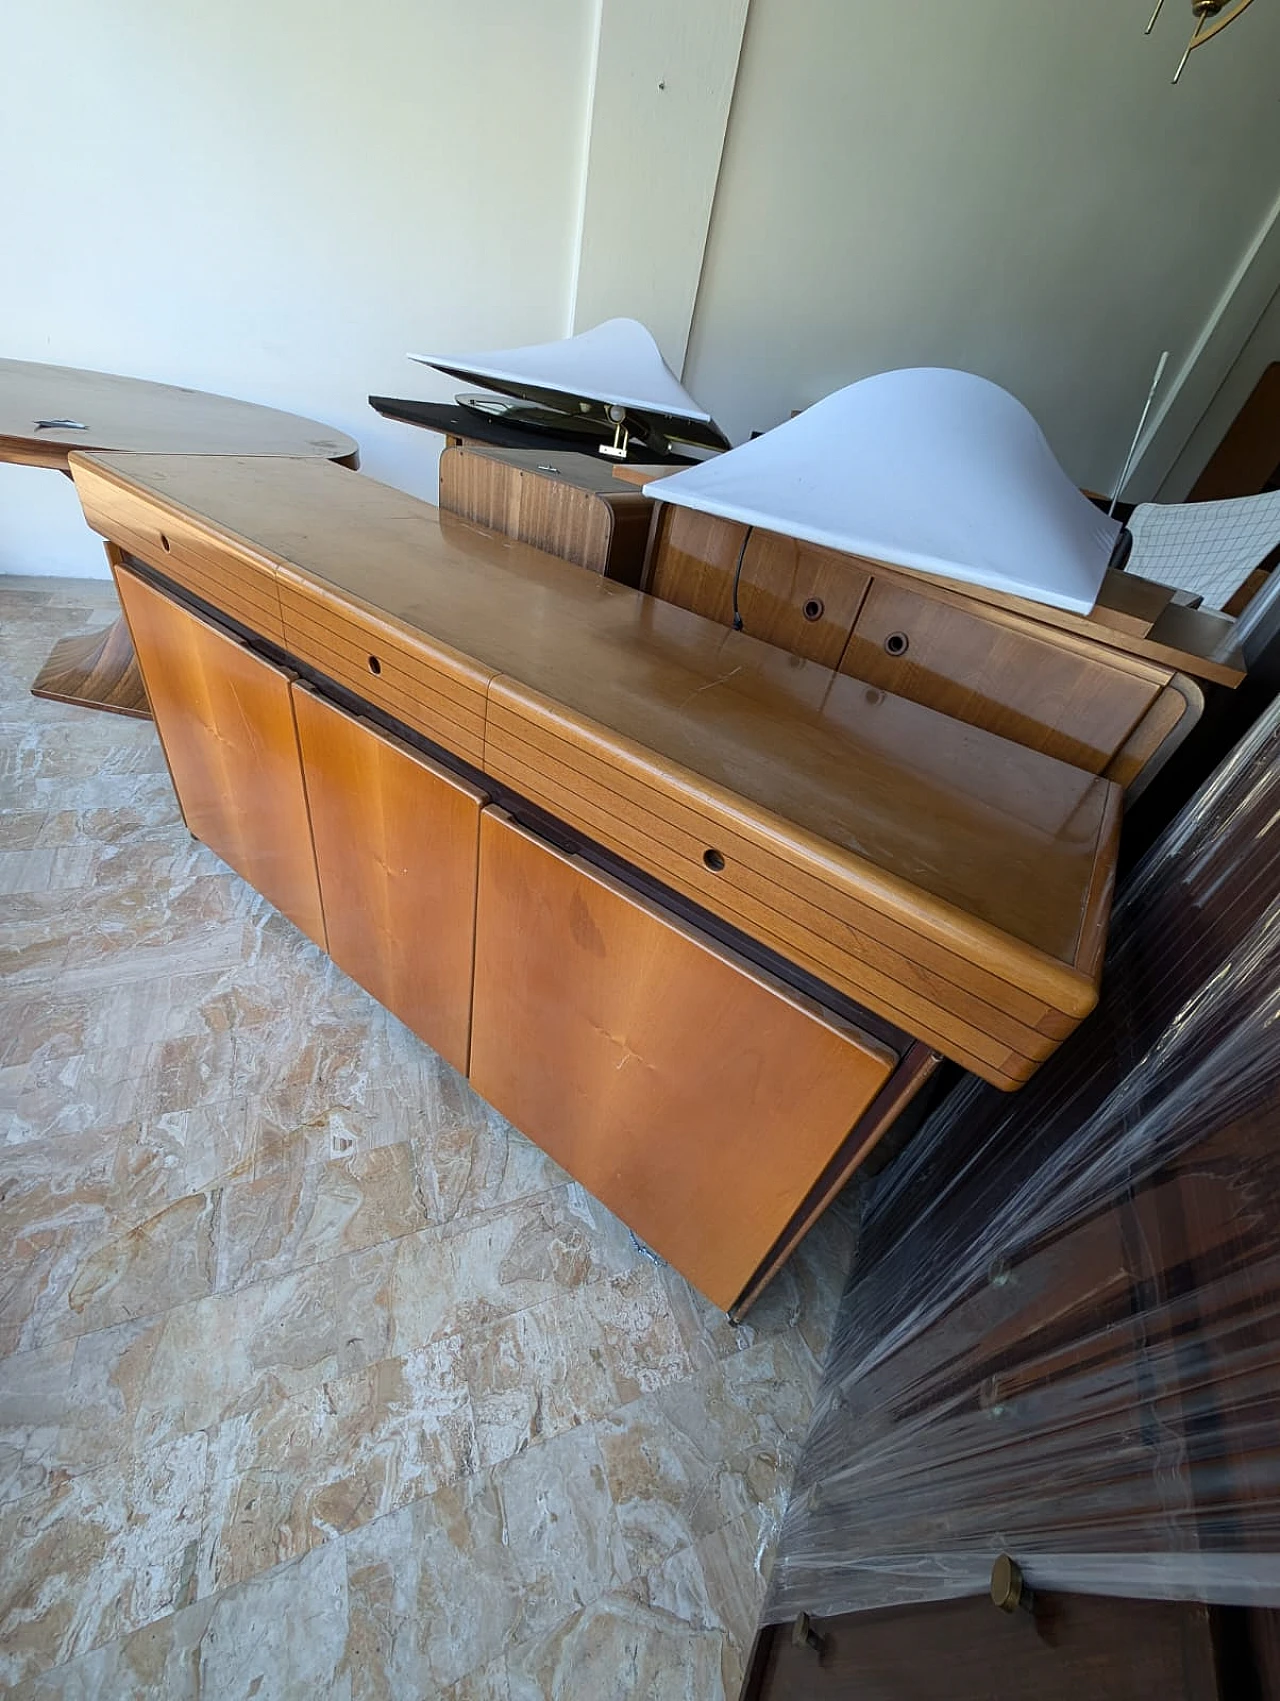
x: 1205, y: 547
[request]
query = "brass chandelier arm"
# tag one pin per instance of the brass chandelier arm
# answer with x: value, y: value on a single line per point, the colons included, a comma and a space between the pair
x: 1218, y: 11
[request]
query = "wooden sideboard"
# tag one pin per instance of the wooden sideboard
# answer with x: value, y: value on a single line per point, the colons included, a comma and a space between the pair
x: 696, y: 914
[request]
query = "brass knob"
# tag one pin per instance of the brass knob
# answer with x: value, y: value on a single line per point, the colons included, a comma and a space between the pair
x: 803, y: 1635
x: 1008, y: 1587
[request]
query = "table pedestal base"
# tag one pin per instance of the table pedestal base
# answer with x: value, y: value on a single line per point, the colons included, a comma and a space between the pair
x: 99, y: 671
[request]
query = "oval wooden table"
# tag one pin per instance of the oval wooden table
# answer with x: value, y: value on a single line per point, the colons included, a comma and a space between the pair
x: 46, y: 411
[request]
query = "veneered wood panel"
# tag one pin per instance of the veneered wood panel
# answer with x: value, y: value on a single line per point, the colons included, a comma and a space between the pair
x: 115, y: 412
x: 945, y: 977
x: 1004, y: 677
x: 797, y: 595
x: 396, y: 841
x: 694, y: 560
x: 229, y: 574
x: 569, y: 505
x: 800, y: 596
x: 695, y: 1096
x: 429, y: 687
x: 225, y: 719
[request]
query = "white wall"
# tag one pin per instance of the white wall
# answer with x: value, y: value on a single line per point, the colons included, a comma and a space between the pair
x: 276, y: 199
x: 1015, y: 189
x: 663, y: 81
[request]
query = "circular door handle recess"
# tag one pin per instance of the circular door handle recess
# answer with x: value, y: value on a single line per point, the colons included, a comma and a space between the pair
x: 375, y: 666
x: 713, y: 859
x: 814, y: 609
x: 897, y: 644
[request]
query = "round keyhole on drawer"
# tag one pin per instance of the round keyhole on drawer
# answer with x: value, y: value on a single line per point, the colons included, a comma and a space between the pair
x: 814, y: 609
x: 714, y: 860
x: 164, y: 543
x: 896, y: 644
x: 375, y: 666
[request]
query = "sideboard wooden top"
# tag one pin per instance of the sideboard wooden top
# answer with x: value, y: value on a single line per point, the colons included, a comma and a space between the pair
x: 115, y: 412
x: 1007, y: 853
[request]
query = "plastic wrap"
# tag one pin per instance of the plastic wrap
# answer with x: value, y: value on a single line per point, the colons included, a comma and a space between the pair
x: 1061, y: 1338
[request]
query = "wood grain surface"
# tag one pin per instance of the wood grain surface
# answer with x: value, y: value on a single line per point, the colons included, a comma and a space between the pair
x: 694, y: 557
x: 225, y: 719
x: 946, y: 878
x: 689, y: 1092
x: 96, y: 671
x: 396, y: 841
x: 569, y: 505
x: 1011, y: 676
x: 133, y: 413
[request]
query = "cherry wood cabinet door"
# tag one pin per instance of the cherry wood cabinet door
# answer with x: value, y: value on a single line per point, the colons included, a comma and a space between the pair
x: 694, y: 1095
x: 225, y: 719
x: 396, y: 844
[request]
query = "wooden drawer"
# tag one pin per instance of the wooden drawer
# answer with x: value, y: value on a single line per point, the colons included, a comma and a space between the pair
x: 696, y: 1097
x: 230, y: 575
x: 428, y: 686
x: 993, y: 1003
x: 1060, y: 695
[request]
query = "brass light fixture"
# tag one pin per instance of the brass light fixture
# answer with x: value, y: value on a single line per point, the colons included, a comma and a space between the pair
x: 1203, y: 11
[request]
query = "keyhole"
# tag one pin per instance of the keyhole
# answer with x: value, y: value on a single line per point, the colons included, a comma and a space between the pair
x: 896, y: 644
x: 713, y: 860
x: 375, y: 666
x: 814, y: 609
x: 164, y: 543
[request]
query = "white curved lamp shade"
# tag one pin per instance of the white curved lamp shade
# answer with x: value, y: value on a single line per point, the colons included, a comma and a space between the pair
x: 926, y: 468
x: 617, y: 363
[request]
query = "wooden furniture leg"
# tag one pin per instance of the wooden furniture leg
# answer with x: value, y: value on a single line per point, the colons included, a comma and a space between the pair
x: 98, y: 671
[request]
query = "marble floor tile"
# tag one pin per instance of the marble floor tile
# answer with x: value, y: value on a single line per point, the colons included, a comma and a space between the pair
x: 89, y: 1558
x: 316, y: 1377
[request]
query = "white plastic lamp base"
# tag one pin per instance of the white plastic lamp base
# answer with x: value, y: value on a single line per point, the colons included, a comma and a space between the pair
x: 617, y: 362
x: 927, y: 468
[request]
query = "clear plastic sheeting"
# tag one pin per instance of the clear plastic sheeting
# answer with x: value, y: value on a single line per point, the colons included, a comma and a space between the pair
x: 1061, y: 1339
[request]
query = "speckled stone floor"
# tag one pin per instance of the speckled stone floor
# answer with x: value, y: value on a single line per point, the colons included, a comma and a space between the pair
x: 318, y: 1379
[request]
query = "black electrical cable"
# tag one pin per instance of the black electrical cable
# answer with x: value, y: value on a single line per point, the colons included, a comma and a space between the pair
x: 737, y: 575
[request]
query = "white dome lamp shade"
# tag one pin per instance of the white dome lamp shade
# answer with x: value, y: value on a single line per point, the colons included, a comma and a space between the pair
x: 925, y: 468
x: 614, y: 373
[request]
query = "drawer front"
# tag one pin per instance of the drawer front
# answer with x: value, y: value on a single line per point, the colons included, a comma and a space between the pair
x: 429, y: 687
x: 999, y: 675
x: 796, y: 595
x: 692, y: 1094
x: 1000, y: 1020
x: 800, y: 596
x: 229, y: 577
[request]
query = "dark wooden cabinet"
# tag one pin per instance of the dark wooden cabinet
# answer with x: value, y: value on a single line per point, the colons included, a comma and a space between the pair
x: 694, y: 1095
x: 1077, y: 1648
x: 225, y: 719
x: 396, y: 843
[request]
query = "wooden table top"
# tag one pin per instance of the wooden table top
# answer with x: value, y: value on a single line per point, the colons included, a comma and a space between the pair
x: 1004, y: 837
x: 132, y: 413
